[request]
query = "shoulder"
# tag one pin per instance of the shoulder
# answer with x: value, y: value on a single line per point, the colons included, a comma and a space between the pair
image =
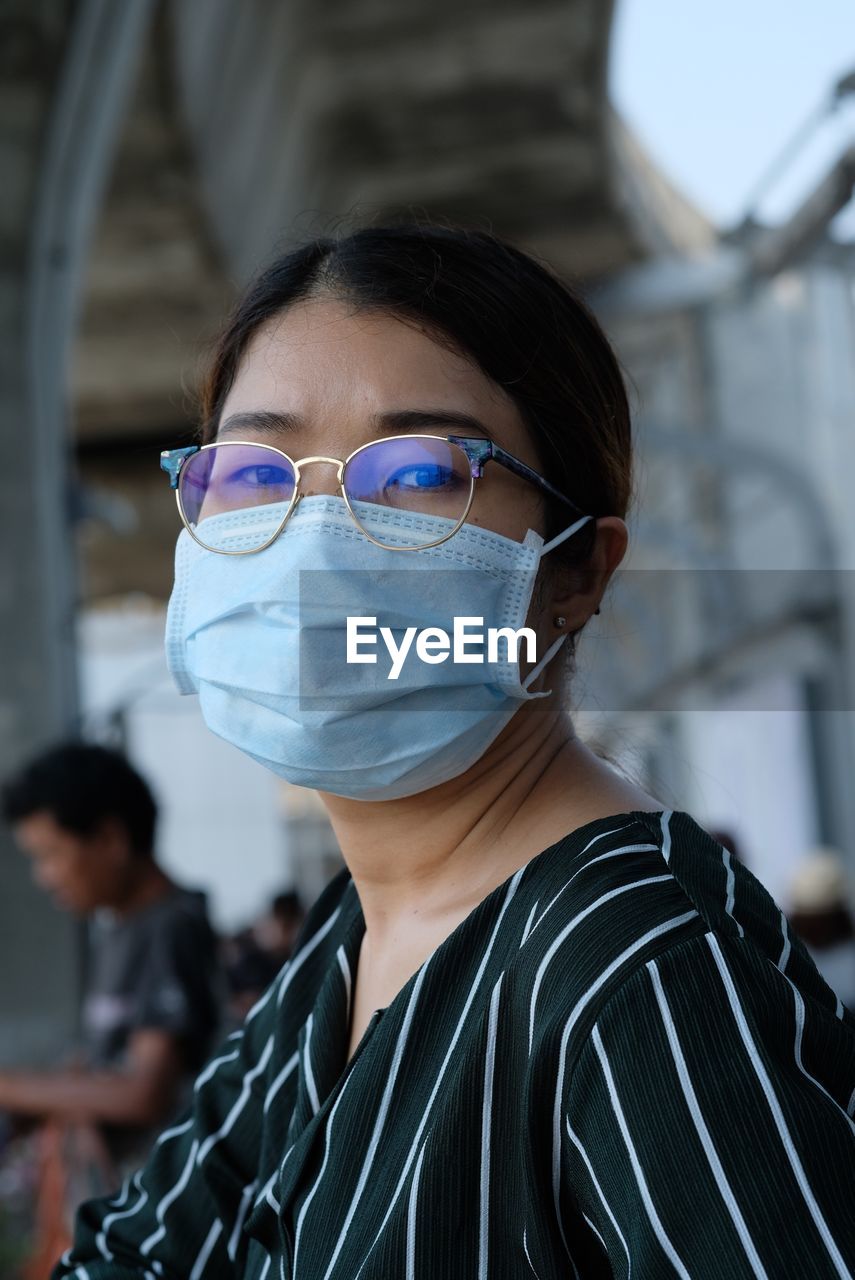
x: 707, y: 1063
x: 734, y: 903
x: 678, y: 864
x: 179, y: 921
x: 658, y: 886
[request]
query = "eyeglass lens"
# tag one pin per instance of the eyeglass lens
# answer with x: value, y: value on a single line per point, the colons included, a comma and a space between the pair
x: 422, y: 475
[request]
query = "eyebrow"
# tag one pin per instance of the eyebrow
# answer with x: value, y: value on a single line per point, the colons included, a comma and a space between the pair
x: 266, y: 422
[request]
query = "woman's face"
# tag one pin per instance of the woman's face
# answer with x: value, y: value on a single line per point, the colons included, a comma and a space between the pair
x: 330, y: 378
x: 337, y: 378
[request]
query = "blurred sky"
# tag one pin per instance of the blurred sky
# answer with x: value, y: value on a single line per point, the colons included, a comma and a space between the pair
x: 716, y: 88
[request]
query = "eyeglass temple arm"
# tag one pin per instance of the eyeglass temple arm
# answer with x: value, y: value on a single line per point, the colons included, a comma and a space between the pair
x: 172, y: 460
x: 481, y: 451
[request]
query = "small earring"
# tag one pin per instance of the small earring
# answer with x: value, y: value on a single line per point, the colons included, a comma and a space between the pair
x: 597, y: 610
x: 559, y: 621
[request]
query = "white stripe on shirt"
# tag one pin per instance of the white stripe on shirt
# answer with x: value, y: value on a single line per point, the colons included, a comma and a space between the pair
x: 486, y: 1114
x: 216, y: 1063
x: 169, y: 1199
x: 411, y: 1216
x: 345, y: 973
x: 731, y: 889
x: 527, y: 1254
x: 277, y: 1083
x: 785, y: 952
x: 724, y: 1187
x: 577, y: 1011
x: 327, y: 1147
x: 560, y: 938
x: 207, y: 1248
x: 775, y: 1108
x: 234, y: 1238
x: 307, y: 1067
x: 488, y: 951
x: 296, y: 963
x: 246, y: 1088
x: 382, y: 1112
x: 655, y: 1221
x: 599, y: 1190
x: 592, y: 862
x: 528, y: 923
x: 800, y: 1023
x: 142, y: 1200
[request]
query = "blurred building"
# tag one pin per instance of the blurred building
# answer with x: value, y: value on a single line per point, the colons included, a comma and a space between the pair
x: 738, y: 599
x: 154, y: 155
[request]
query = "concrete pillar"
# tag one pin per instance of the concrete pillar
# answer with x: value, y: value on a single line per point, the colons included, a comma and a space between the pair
x: 65, y: 70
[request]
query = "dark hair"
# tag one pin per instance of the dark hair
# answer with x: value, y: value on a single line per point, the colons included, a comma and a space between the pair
x: 253, y: 969
x: 287, y: 905
x: 80, y: 784
x: 529, y: 332
x: 824, y: 928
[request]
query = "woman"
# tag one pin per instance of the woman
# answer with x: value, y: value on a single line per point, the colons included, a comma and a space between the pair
x: 541, y: 1024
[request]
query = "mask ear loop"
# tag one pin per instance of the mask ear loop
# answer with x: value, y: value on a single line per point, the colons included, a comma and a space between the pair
x: 556, y: 644
x: 566, y: 534
x: 544, y: 662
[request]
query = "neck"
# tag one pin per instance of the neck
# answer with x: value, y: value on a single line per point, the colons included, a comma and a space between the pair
x: 146, y: 883
x: 423, y: 862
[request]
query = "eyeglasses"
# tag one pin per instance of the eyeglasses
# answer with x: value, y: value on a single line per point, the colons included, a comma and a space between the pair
x: 420, y: 474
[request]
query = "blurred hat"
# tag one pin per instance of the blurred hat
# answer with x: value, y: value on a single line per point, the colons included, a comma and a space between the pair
x: 819, y: 882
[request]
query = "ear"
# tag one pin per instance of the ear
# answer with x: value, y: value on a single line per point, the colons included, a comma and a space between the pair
x: 112, y: 835
x: 577, y: 593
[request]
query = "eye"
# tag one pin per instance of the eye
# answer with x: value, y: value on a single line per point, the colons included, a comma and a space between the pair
x: 423, y: 476
x: 260, y: 476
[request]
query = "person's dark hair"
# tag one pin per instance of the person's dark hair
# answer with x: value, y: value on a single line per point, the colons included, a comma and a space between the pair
x: 287, y: 905
x: 253, y: 968
x: 529, y: 332
x: 79, y: 784
x: 822, y: 929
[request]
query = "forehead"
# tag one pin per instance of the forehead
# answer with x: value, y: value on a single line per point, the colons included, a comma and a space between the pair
x: 323, y: 354
x: 40, y: 832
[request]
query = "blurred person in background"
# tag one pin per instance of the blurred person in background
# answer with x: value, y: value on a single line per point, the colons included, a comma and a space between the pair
x: 276, y: 931
x: 249, y: 970
x: 820, y: 911
x: 86, y: 820
x: 253, y: 957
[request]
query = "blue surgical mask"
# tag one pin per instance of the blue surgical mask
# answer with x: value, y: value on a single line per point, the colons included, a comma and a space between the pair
x: 261, y: 639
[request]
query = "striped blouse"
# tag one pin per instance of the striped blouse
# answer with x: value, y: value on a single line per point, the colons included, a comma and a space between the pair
x: 620, y: 1063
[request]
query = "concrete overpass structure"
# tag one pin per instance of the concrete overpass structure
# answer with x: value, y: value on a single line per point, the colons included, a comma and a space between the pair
x: 256, y: 124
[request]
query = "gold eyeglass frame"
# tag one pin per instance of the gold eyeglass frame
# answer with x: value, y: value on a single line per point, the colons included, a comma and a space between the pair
x: 478, y: 450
